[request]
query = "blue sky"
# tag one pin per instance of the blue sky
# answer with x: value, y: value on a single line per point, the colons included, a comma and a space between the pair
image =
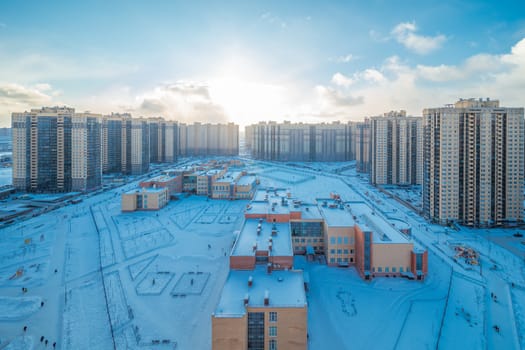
x: 269, y: 60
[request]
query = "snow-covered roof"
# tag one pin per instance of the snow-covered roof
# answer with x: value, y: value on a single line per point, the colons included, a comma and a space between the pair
x: 283, y: 288
x: 263, y: 194
x: 370, y: 220
x: 146, y: 190
x: 246, y: 180
x: 160, y: 178
x: 334, y: 213
x: 309, y: 212
x: 281, y: 243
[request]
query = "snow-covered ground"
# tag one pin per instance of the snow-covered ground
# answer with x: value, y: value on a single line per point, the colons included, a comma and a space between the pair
x: 6, y: 177
x: 150, y: 280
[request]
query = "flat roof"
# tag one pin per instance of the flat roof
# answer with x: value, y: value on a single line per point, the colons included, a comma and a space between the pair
x: 246, y: 180
x: 335, y: 213
x: 267, y: 193
x: 281, y: 242
x: 309, y: 212
x: 284, y: 289
x: 160, y: 178
x: 230, y: 177
x: 369, y: 219
x: 146, y: 189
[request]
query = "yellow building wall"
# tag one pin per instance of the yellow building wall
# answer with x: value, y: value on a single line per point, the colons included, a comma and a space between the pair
x: 336, y: 232
x: 129, y: 202
x: 229, y: 333
x: 292, y: 327
x: 391, y: 255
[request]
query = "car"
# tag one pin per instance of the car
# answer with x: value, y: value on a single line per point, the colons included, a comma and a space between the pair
x: 518, y: 234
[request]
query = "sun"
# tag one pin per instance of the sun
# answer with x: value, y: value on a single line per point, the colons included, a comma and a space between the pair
x: 246, y: 97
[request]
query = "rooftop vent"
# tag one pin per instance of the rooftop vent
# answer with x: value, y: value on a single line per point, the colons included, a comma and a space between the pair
x: 250, y: 281
x: 246, y: 299
x: 266, y: 298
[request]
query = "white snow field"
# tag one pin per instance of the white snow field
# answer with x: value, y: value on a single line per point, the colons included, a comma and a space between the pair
x: 151, y: 280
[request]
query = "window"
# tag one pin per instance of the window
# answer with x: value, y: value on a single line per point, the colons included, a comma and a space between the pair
x: 379, y: 269
x: 393, y: 269
x: 332, y: 260
x: 273, y: 316
x: 345, y: 251
x: 332, y: 240
x: 332, y: 251
x: 272, y: 331
x: 346, y: 240
x: 339, y: 240
x: 386, y: 269
x: 273, y: 344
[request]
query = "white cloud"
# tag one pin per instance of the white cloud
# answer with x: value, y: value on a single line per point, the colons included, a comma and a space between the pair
x: 405, y: 33
x: 19, y: 98
x: 342, y: 80
x: 343, y: 59
x: 399, y: 85
x: 185, y: 101
x: 373, y: 75
x: 331, y: 99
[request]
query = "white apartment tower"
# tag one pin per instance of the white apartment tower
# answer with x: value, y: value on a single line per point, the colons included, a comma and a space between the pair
x: 473, y: 161
x: 396, y: 149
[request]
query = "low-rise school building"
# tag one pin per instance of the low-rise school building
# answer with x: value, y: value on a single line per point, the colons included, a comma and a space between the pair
x: 151, y: 198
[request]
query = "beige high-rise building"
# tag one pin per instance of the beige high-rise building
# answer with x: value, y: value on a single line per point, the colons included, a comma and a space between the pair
x: 362, y: 146
x: 86, y: 160
x: 209, y: 139
x: 56, y: 150
x: 473, y: 163
x: 396, y: 149
x: 301, y: 142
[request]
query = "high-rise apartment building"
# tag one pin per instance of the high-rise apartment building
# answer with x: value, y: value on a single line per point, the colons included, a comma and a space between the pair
x: 473, y: 163
x: 209, y: 139
x: 301, y: 142
x: 362, y: 146
x: 86, y: 148
x: 116, y: 146
x: 126, y: 143
x: 140, y: 148
x: 396, y: 149
x: 42, y: 149
x: 171, y: 141
x: 56, y: 150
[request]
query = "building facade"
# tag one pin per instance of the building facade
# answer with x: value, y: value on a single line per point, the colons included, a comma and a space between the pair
x: 300, y: 142
x: 86, y: 152
x: 56, y: 150
x: 396, y: 149
x: 208, y: 139
x: 140, y: 147
x: 362, y: 146
x: 151, y: 198
x: 42, y: 149
x: 473, y: 163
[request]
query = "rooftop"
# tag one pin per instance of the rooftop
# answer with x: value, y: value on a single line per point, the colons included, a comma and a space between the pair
x: 283, y: 288
x: 246, y: 180
x: 281, y: 242
x: 368, y: 219
x: 160, y: 178
x: 230, y: 177
x: 146, y: 189
x: 334, y: 213
x: 263, y: 194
